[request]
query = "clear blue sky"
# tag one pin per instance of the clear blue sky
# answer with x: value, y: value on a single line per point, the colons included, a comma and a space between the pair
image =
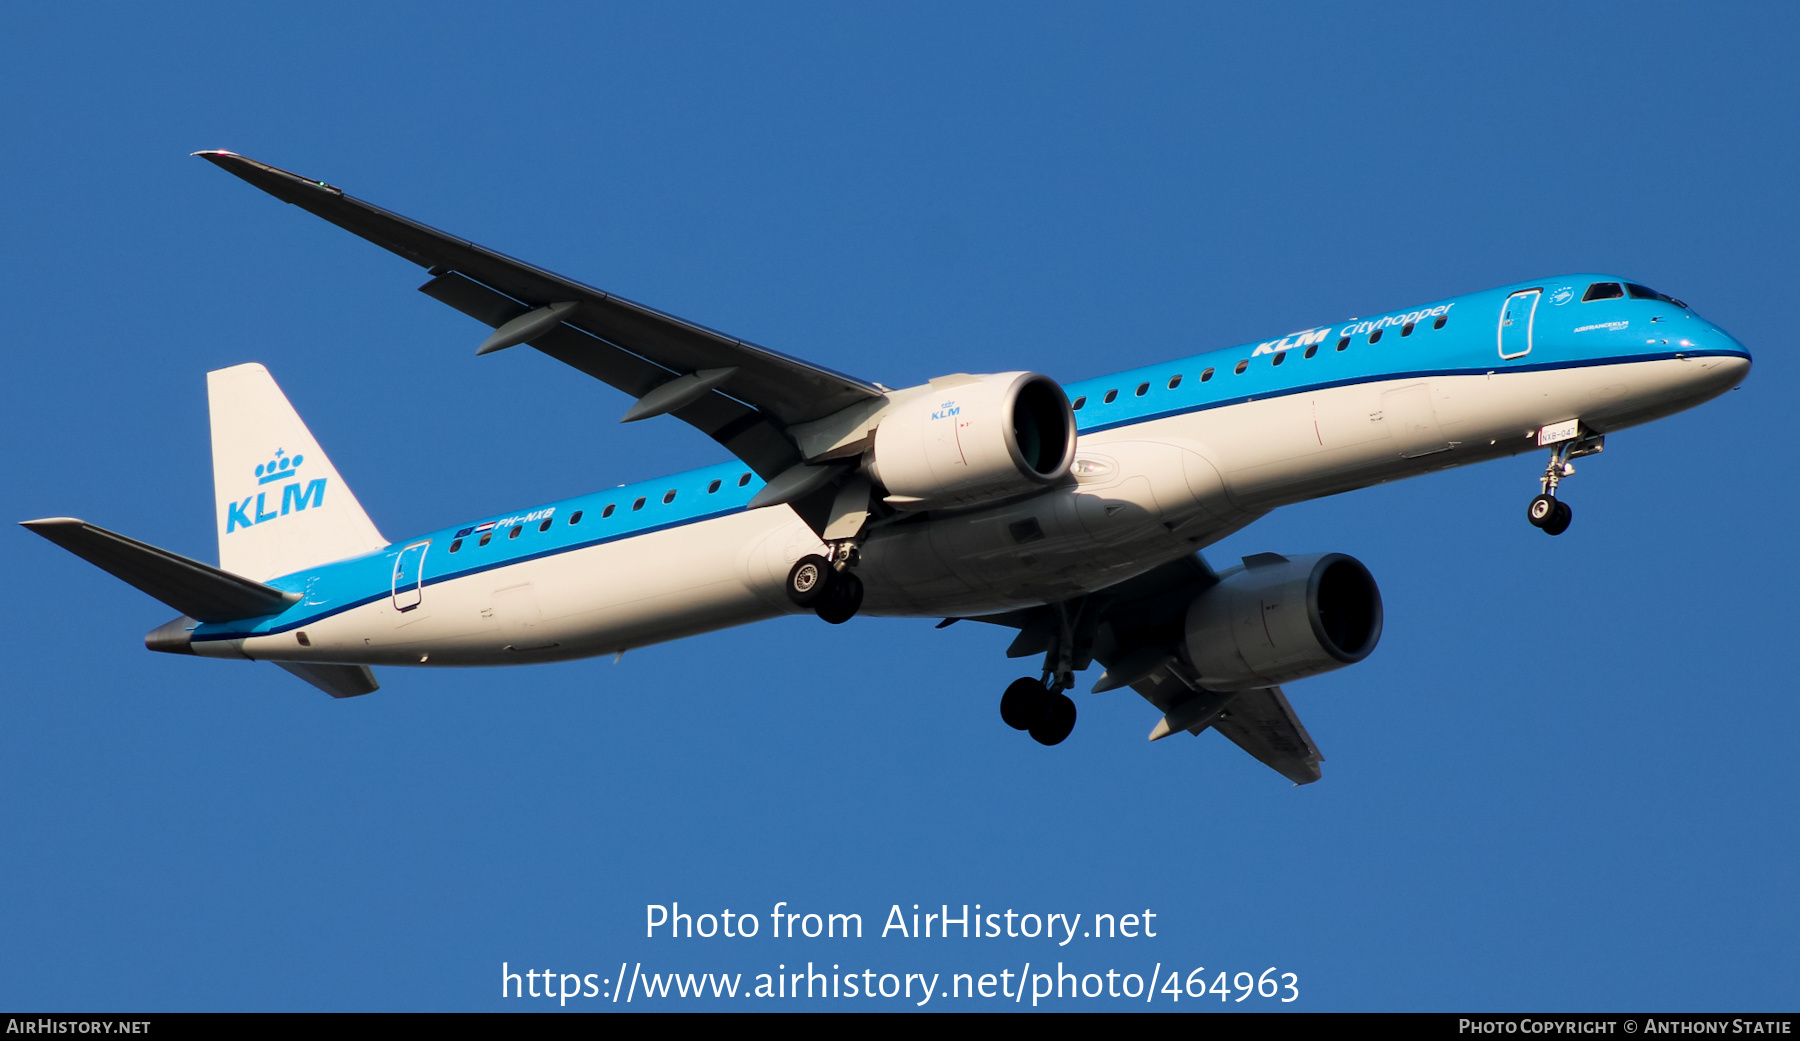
x: 1562, y: 782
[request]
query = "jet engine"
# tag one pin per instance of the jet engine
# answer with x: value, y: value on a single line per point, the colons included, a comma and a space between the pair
x: 1278, y: 619
x: 980, y: 439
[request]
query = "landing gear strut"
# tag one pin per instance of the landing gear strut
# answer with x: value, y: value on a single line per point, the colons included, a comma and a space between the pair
x: 1546, y: 510
x: 826, y: 586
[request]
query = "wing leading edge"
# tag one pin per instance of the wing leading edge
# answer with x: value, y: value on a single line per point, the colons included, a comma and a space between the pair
x: 634, y: 348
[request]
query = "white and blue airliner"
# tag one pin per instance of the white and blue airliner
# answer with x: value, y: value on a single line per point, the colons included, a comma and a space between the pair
x: 1073, y: 514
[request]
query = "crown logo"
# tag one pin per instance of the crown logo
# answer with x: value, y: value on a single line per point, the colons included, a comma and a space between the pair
x: 279, y: 468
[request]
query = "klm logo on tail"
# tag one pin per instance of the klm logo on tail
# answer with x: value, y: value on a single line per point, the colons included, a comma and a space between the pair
x: 294, y: 496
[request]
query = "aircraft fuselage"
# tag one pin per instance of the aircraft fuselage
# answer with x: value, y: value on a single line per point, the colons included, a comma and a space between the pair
x: 1170, y: 458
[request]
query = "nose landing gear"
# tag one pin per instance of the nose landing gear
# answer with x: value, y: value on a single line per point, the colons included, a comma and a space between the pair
x: 826, y: 586
x: 1546, y: 510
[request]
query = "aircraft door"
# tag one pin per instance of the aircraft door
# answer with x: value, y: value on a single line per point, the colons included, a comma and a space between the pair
x: 409, y: 576
x: 1515, y: 323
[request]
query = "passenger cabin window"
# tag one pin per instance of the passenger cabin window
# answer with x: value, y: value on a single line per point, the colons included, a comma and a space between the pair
x: 514, y: 533
x: 1078, y: 402
x: 486, y: 537
x: 1241, y: 366
x: 1312, y: 350
x: 1442, y: 319
x: 1646, y: 293
x: 638, y: 505
x: 1174, y: 381
x: 1143, y: 388
x: 713, y: 487
x: 546, y: 525
x: 668, y: 497
x: 1280, y: 356
x: 1206, y: 375
x: 743, y: 480
x: 1603, y: 291
x: 1110, y: 395
x: 1375, y: 337
x: 575, y: 518
x: 608, y: 511
x: 455, y: 544
x: 1406, y: 330
x: 1343, y: 343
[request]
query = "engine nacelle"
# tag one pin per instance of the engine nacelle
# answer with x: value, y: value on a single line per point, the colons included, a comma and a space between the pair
x: 1278, y: 619
x: 984, y: 440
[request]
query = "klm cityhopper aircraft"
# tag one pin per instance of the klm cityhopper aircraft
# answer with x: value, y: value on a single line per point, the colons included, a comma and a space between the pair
x: 1072, y: 514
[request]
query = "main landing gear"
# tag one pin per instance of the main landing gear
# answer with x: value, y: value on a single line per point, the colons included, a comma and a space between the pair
x: 826, y: 586
x: 1048, y: 715
x: 1042, y: 707
x: 1546, y: 510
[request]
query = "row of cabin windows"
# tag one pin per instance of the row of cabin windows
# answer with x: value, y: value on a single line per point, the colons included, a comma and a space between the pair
x: 1279, y: 357
x: 575, y: 518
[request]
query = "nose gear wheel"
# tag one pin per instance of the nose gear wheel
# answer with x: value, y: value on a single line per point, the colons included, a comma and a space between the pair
x: 1547, y: 512
x: 1552, y: 515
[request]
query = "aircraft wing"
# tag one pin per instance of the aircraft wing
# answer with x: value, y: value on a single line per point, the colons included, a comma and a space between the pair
x: 1262, y: 723
x: 1135, y: 629
x: 742, y: 395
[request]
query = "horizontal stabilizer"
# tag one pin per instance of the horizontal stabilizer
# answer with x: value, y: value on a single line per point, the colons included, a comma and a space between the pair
x: 200, y: 591
x: 339, y: 681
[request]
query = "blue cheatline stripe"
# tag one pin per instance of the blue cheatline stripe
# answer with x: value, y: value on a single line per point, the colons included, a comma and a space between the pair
x: 1503, y: 369
x: 312, y: 619
x: 625, y: 492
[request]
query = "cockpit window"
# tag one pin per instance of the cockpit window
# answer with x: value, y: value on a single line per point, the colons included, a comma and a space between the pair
x: 1603, y: 291
x: 1646, y: 293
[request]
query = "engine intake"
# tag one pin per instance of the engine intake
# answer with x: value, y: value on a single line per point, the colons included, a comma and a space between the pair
x: 983, y: 440
x: 1278, y: 619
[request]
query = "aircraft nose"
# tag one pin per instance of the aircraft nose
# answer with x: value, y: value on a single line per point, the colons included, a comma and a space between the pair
x: 1737, y: 359
x: 1724, y: 365
x: 1735, y: 366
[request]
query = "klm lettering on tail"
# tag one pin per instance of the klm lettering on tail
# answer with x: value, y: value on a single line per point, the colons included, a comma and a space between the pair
x: 294, y: 496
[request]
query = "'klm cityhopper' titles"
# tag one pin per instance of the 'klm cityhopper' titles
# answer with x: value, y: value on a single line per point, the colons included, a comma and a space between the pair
x: 1409, y: 318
